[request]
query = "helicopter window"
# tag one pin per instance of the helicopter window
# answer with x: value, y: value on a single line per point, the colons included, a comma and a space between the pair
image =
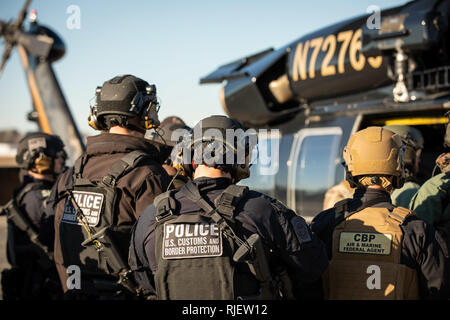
x: 282, y: 175
x: 265, y: 163
x: 312, y: 167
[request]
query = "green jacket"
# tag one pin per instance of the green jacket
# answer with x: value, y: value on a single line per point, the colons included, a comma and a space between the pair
x: 431, y: 202
x: 401, y: 197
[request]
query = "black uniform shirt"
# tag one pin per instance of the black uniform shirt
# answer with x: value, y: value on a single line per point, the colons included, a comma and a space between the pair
x: 293, y: 245
x: 423, y: 249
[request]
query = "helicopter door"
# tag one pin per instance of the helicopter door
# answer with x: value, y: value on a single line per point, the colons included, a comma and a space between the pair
x: 312, y: 168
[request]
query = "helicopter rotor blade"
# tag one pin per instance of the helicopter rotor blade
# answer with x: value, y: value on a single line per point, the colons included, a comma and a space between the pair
x: 22, y: 15
x: 5, y: 56
x: 8, y: 29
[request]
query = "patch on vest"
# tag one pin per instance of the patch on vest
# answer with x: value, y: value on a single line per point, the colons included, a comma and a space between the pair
x: 196, y: 240
x: 89, y: 202
x: 301, y: 229
x: 365, y: 243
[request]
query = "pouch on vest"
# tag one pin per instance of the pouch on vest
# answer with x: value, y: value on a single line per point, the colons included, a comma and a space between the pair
x: 195, y: 251
x: 89, y: 235
x: 366, y: 257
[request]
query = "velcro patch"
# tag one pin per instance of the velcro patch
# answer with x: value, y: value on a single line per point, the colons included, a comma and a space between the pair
x: 90, y: 204
x: 365, y: 243
x: 301, y: 229
x: 191, y: 240
x: 37, y: 143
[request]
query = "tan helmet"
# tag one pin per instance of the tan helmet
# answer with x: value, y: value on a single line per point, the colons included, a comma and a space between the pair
x: 375, y: 152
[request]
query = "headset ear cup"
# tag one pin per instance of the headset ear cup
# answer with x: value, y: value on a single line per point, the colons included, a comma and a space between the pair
x: 149, y: 123
x: 93, y: 122
x: 184, y: 169
x: 23, y: 160
x: 351, y: 180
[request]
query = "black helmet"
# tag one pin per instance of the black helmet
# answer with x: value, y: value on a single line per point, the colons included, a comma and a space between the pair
x: 37, y: 150
x: 171, y: 120
x: 123, y: 97
x: 164, y: 134
x: 222, y: 138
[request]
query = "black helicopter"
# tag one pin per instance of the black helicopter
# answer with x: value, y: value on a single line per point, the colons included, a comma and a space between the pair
x: 38, y: 48
x: 317, y: 91
x: 326, y: 85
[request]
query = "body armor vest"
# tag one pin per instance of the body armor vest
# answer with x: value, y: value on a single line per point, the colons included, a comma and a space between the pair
x: 366, y: 257
x: 21, y: 229
x: 89, y: 235
x: 195, y: 251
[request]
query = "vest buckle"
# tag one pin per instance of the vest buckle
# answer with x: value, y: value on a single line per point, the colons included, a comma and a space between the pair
x: 109, y: 180
x: 163, y: 214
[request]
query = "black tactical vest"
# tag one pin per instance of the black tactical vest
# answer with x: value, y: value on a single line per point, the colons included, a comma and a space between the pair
x: 22, y: 231
x: 89, y: 235
x: 195, y: 250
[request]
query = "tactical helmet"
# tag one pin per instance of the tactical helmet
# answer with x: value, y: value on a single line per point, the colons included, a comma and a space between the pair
x: 123, y: 97
x: 223, y: 139
x: 373, y: 154
x: 171, y: 120
x: 37, y: 151
x: 413, y: 140
x: 164, y: 133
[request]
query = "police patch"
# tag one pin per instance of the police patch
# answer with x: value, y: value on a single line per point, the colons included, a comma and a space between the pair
x: 90, y: 204
x: 365, y: 243
x: 195, y: 240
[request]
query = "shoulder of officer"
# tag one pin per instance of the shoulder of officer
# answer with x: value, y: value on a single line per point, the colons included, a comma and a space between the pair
x: 258, y: 204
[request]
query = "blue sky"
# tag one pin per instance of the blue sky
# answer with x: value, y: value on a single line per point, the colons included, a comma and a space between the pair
x: 169, y: 43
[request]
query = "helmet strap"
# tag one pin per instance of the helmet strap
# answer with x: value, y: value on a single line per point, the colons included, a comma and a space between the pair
x: 384, y: 182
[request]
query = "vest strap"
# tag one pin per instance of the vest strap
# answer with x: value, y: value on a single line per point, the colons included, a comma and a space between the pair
x: 229, y: 199
x: 123, y: 166
x: 190, y: 190
x: 399, y: 214
x: 342, y: 209
x: 164, y: 205
x: 29, y: 187
x: 79, y: 165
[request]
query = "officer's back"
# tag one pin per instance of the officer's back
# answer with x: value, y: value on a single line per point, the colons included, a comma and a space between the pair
x: 97, y: 201
x: 41, y: 158
x: 378, y: 250
x: 431, y: 201
x: 194, y: 243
